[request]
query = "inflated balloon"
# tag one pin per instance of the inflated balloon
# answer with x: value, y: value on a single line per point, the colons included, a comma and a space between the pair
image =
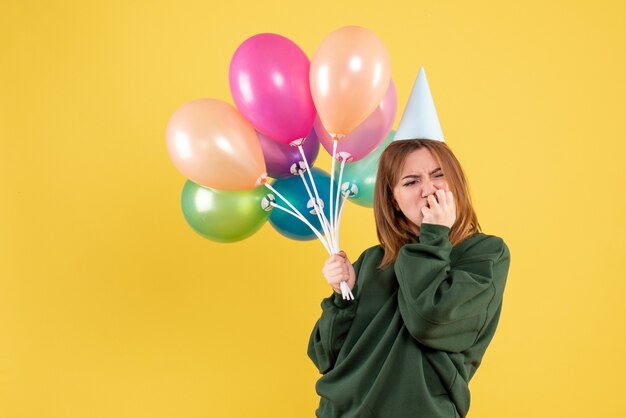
x: 269, y: 81
x: 360, y: 176
x: 293, y: 190
x: 214, y: 146
x: 223, y: 215
x: 280, y: 157
x: 369, y: 134
x: 350, y: 74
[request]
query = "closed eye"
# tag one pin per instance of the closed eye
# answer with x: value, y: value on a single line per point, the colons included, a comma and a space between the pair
x: 410, y: 183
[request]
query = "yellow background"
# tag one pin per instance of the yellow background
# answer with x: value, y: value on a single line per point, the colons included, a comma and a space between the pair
x: 111, y: 306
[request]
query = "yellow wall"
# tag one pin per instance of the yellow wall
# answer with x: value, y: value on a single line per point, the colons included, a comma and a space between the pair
x: 111, y: 306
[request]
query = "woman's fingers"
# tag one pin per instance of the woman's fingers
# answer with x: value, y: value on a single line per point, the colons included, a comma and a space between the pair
x: 441, y: 197
x: 334, y: 265
x: 333, y: 261
x: 440, y: 209
x: 337, y: 270
x: 336, y: 273
x: 337, y: 259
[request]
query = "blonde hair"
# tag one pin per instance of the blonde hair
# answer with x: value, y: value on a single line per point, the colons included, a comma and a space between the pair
x: 392, y: 227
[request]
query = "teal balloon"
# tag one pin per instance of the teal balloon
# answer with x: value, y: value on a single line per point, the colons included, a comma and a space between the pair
x: 362, y: 174
x: 294, y: 191
x: 223, y: 215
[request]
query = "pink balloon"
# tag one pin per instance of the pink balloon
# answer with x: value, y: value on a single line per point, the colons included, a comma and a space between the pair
x: 369, y: 134
x: 269, y: 81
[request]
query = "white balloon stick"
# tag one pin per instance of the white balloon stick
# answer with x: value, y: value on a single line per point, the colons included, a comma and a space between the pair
x: 321, y: 238
x: 346, y: 292
x: 332, y: 180
x: 323, y: 222
x: 317, y: 196
x: 331, y: 246
x: 343, y: 202
x: 269, y: 186
x: 337, y: 214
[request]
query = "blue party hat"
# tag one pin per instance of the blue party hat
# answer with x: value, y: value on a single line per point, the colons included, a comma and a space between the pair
x: 419, y: 119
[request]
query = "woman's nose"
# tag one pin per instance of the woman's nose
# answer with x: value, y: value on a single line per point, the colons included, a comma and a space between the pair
x: 427, y: 189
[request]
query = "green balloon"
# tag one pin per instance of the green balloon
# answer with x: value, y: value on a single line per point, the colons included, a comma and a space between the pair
x: 223, y: 215
x: 362, y: 173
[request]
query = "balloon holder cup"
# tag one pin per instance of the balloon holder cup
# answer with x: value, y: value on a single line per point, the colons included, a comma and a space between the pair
x: 298, y: 168
x: 297, y: 142
x: 266, y: 202
x: 349, y: 189
x: 261, y: 180
x: 343, y: 156
x: 315, y: 206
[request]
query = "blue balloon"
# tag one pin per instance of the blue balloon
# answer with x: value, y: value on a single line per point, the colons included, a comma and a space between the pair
x: 293, y: 190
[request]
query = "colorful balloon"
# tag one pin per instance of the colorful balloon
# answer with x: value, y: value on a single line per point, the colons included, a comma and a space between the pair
x: 293, y: 190
x: 269, y: 81
x: 214, y: 146
x: 223, y: 215
x: 362, y: 174
x: 350, y: 74
x: 369, y: 134
x: 280, y: 157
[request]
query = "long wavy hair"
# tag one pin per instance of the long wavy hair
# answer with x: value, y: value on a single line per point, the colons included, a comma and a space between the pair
x: 392, y: 227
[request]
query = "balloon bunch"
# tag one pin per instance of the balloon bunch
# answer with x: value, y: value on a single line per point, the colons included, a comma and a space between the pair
x: 286, y: 106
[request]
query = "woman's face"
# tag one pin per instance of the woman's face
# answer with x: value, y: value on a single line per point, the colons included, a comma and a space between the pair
x: 421, y: 176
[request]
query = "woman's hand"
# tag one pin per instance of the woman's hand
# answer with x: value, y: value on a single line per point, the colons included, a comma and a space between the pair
x: 339, y: 269
x: 441, y: 210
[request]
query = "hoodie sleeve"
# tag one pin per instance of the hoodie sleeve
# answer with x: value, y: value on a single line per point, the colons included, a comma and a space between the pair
x: 332, y: 327
x: 445, y: 306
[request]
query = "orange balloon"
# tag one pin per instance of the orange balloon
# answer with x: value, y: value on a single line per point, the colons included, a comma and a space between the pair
x: 214, y: 146
x: 349, y: 76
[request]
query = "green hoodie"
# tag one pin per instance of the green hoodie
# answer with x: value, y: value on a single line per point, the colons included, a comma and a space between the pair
x: 412, y: 339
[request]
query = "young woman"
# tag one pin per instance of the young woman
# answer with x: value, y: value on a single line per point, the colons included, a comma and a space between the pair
x: 427, y: 299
